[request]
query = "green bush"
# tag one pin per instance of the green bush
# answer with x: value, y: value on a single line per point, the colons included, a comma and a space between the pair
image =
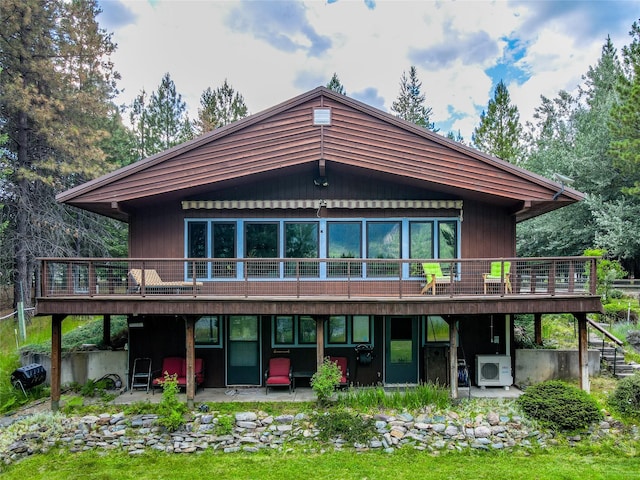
x: 171, y: 411
x: 560, y: 406
x: 342, y: 424
x: 225, y: 425
x: 325, y: 380
x: 625, y: 399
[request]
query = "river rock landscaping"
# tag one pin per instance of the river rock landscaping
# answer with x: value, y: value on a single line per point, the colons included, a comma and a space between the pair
x: 497, y: 427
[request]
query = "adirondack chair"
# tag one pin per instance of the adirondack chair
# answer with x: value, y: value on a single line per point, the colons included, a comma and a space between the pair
x: 497, y: 276
x: 433, y: 275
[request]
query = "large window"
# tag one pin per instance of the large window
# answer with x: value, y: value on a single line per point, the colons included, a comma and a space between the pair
x: 344, y: 240
x: 301, y: 241
x: 323, y: 248
x: 208, y: 332
x: 349, y: 330
x: 383, y: 241
x: 293, y: 331
x: 261, y: 241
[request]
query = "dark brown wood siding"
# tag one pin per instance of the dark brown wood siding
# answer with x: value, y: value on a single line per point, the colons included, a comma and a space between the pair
x: 487, y: 231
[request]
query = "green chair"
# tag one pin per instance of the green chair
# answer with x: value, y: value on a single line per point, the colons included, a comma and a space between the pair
x: 434, y: 276
x: 496, y: 277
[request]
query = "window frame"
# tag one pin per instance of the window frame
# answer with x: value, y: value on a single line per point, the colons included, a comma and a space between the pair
x: 220, y: 326
x: 296, y: 343
x: 349, y: 342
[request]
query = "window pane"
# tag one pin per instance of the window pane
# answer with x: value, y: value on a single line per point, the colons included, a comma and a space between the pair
x: 447, y: 244
x: 243, y: 328
x: 420, y: 244
x: 447, y: 240
x: 284, y: 330
x: 437, y: 329
x: 301, y: 241
x: 344, y: 241
x: 383, y: 241
x: 197, y: 246
x: 224, y: 246
x: 262, y: 242
x: 207, y: 331
x: 197, y: 240
x: 361, y: 329
x: 338, y: 329
x: 307, y: 330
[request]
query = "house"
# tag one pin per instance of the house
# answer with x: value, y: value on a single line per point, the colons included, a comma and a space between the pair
x: 320, y: 227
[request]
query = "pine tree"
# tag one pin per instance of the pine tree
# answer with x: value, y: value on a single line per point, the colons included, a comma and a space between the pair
x: 219, y: 107
x: 335, y: 85
x: 55, y: 88
x: 624, y: 126
x: 410, y: 105
x: 499, y: 130
x: 168, y: 122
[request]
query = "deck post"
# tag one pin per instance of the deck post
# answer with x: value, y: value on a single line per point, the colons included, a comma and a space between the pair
x: 56, y: 360
x: 583, y: 351
x: 106, y: 330
x: 453, y: 356
x: 319, y: 342
x: 537, y: 328
x: 191, y: 359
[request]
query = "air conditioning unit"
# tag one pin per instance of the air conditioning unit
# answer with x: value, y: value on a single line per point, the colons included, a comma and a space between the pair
x: 493, y: 371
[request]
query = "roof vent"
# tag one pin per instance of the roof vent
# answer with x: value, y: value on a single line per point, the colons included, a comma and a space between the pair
x: 322, y: 116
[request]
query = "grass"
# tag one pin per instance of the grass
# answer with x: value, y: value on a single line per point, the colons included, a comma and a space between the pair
x: 366, y: 398
x: 556, y: 463
x: 75, y: 330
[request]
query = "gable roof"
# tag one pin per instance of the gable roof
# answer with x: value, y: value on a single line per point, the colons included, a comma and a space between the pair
x: 359, y: 136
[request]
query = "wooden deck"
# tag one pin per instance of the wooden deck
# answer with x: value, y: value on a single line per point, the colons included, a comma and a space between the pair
x: 277, y: 286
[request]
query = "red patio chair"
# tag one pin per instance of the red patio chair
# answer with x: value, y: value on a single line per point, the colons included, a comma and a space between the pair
x: 279, y: 374
x: 344, y: 369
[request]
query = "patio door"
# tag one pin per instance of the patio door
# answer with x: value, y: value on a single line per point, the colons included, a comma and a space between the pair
x: 243, y: 350
x: 401, y: 350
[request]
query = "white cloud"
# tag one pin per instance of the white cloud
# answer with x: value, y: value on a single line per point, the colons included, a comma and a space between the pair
x: 272, y: 51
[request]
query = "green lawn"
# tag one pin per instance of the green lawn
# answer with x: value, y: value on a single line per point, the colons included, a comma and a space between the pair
x: 559, y: 463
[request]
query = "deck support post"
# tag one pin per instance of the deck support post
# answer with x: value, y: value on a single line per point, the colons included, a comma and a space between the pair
x: 56, y: 360
x: 537, y: 328
x: 453, y: 356
x: 583, y: 351
x: 190, y: 323
x: 106, y: 330
x: 319, y: 342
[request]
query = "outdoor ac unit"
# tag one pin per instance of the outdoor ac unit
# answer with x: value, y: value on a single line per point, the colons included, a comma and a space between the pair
x: 493, y: 370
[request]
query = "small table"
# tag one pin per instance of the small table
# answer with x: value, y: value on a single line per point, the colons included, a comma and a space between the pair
x: 301, y: 374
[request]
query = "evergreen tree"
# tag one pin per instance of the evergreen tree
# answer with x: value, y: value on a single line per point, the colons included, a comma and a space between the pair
x: 335, y: 85
x: 499, y: 130
x: 219, y: 107
x: 167, y: 118
x: 410, y: 105
x: 624, y: 126
x: 457, y: 136
x: 55, y: 88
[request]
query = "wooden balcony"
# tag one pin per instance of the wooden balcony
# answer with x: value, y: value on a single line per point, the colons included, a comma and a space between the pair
x: 204, y: 286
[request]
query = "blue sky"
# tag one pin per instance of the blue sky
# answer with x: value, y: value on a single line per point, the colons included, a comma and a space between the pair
x: 270, y: 51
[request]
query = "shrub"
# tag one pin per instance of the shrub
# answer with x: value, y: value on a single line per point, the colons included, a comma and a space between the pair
x: 560, y: 406
x: 225, y: 425
x: 171, y: 411
x: 625, y: 399
x: 325, y: 380
x: 351, y: 428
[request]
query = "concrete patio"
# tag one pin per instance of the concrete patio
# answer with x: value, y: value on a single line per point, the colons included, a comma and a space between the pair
x: 301, y: 394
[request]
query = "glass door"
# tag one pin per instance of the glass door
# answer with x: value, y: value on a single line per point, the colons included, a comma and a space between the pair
x: 243, y: 350
x: 401, y: 350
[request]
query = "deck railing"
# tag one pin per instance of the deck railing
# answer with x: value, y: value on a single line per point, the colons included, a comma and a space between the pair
x: 303, y: 277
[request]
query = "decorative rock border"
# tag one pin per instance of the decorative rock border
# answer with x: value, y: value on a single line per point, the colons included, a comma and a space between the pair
x: 254, y: 431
